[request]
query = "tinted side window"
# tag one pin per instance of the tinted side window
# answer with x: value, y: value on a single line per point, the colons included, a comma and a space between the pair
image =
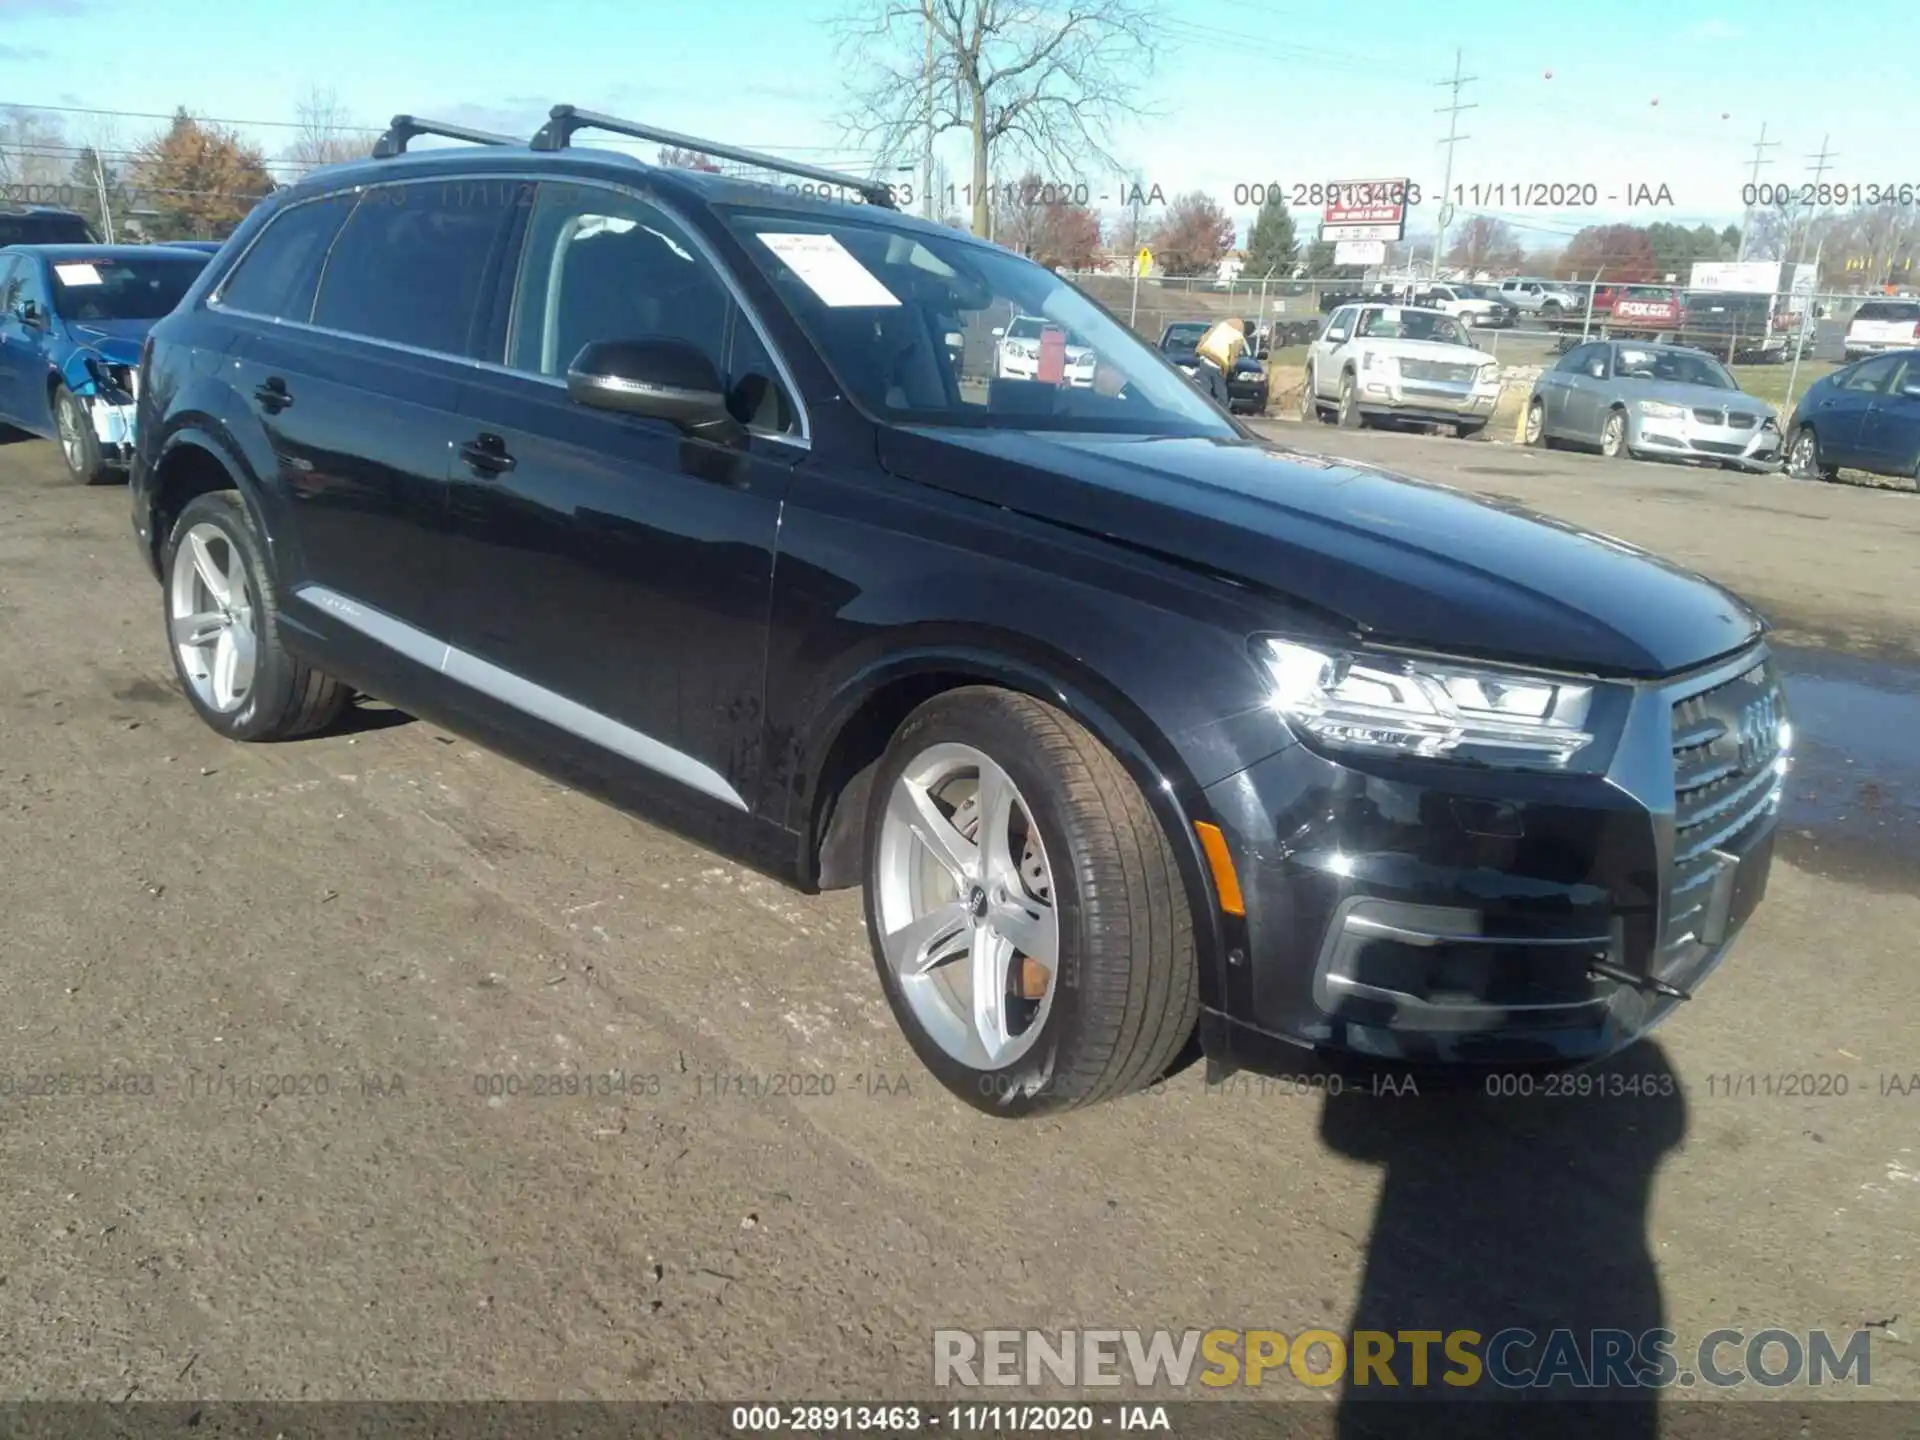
x: 411, y: 264
x: 755, y: 395
x: 603, y: 265
x: 1576, y: 359
x: 1870, y: 376
x: 278, y: 273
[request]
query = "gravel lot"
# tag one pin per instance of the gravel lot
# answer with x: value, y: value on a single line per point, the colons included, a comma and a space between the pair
x: 386, y: 913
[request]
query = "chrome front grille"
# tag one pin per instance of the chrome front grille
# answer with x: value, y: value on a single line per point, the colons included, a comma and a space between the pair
x: 1710, y: 417
x: 1741, y: 421
x: 1436, y: 370
x: 1727, y: 744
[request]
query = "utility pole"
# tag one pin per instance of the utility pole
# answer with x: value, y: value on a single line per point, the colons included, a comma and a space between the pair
x: 926, y: 153
x: 1821, y: 164
x: 1454, y: 137
x: 100, y: 187
x: 1760, y: 147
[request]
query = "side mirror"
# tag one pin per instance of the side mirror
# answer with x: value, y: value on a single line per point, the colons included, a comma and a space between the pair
x: 1911, y: 390
x: 659, y: 379
x: 32, y: 316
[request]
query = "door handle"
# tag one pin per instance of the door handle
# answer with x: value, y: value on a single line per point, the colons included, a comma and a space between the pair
x: 487, y: 454
x: 272, y: 395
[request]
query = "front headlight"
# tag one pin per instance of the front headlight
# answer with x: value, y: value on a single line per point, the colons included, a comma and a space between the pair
x: 1371, y: 360
x: 1398, y: 706
x: 1490, y: 373
x: 1661, y: 410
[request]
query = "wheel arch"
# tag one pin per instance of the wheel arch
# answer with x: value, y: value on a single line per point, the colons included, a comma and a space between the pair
x: 847, y: 745
x: 192, y: 462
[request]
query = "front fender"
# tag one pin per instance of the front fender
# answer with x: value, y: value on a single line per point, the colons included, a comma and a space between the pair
x: 1012, y: 662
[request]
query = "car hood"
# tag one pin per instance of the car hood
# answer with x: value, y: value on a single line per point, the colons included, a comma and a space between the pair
x: 1426, y: 350
x: 1709, y: 397
x: 1399, y: 560
x: 117, y: 340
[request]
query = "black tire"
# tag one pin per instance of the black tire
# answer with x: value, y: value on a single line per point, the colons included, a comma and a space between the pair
x: 89, y: 467
x: 1623, y: 453
x: 1310, y: 411
x: 288, y: 697
x: 1467, y: 432
x: 1814, y: 468
x: 1539, y: 441
x: 1349, y: 416
x: 1128, y: 985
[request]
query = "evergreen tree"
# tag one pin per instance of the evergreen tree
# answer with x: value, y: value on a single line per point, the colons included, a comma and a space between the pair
x: 1272, y: 247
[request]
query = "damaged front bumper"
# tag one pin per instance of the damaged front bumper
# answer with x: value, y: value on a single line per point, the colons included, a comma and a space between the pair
x: 109, y: 393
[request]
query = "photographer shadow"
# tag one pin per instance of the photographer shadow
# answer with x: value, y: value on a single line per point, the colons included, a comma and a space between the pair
x: 1504, y: 1212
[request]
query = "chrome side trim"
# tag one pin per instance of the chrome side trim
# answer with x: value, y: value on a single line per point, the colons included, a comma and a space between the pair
x: 1381, y: 930
x: 523, y: 695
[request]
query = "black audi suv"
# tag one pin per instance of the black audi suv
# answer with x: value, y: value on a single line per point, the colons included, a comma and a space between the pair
x: 1145, y: 737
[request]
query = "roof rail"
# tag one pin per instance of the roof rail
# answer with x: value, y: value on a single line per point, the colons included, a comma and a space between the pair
x: 408, y: 127
x: 563, y: 120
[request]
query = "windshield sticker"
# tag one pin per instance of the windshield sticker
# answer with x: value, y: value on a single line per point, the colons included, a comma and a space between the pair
x: 829, y: 269
x: 78, y: 274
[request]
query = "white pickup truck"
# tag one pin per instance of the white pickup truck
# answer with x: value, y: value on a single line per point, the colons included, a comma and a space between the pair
x: 1547, y: 300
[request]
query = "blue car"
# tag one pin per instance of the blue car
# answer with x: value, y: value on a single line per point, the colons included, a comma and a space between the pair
x: 71, y: 321
x: 1865, y: 417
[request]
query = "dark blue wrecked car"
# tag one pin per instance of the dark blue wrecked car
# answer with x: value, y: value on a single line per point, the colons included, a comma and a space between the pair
x: 72, y: 318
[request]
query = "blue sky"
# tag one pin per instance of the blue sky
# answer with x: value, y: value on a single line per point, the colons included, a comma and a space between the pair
x: 1320, y: 90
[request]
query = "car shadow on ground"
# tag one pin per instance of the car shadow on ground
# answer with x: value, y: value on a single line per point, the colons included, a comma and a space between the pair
x: 366, y: 715
x: 1500, y: 1213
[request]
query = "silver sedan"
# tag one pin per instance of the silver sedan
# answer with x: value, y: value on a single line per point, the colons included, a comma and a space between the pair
x: 1636, y: 400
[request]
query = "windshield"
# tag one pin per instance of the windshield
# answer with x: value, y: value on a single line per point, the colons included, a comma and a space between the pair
x: 1678, y: 367
x: 1476, y: 292
x: 1182, y: 337
x: 1394, y: 324
x: 876, y: 300
x: 116, y: 289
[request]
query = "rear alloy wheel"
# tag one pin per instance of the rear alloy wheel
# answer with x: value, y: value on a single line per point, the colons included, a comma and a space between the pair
x: 1613, y: 436
x: 1536, y: 431
x: 79, y: 446
x: 1028, y: 920
x: 224, y: 633
x: 1350, y: 417
x: 1803, y: 458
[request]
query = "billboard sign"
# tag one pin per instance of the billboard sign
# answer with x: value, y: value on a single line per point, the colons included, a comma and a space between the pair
x: 1365, y: 210
x: 1360, y: 252
x: 1738, y: 277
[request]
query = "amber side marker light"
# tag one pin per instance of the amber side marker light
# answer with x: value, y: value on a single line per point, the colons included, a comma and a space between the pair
x: 1221, y: 863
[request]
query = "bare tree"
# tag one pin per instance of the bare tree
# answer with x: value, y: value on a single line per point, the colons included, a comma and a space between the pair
x: 1048, y: 84
x: 33, y: 149
x: 1484, y: 242
x: 326, y: 134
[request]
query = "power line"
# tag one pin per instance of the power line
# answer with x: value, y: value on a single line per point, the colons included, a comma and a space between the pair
x: 1454, y: 137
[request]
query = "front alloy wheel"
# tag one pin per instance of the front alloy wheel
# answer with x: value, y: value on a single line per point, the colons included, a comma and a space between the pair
x: 79, y: 447
x: 1029, y: 922
x: 966, y: 906
x: 1613, y: 436
x: 1803, y: 458
x: 1536, y: 422
x: 1309, y: 401
x: 1350, y: 417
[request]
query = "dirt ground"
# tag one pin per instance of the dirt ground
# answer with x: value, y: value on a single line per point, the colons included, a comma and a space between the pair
x: 300, y: 971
